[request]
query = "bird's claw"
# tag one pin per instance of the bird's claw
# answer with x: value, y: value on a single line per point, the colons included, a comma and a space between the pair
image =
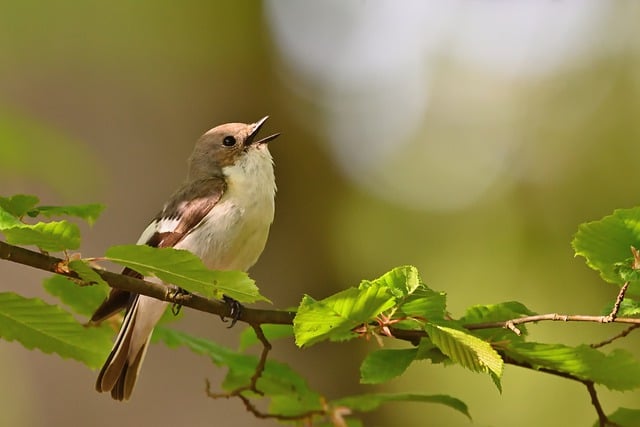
x: 177, y: 295
x: 235, y: 310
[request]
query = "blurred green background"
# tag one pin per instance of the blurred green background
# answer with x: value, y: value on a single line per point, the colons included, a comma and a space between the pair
x: 467, y: 138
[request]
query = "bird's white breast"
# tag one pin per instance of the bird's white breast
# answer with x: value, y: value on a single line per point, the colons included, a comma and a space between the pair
x: 233, y: 234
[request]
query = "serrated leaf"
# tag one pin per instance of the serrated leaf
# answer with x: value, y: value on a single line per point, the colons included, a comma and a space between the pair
x: 89, y: 212
x: 36, y: 324
x: 617, y: 371
x: 316, y: 321
x: 19, y: 204
x: 362, y: 305
x: 370, y: 402
x: 413, y: 297
x: 334, y: 317
x: 401, y: 281
x: 606, y: 242
x: 466, y: 349
x: 81, y: 299
x: 382, y: 365
x: 497, y: 313
x: 49, y: 236
x: 425, y: 303
x: 623, y: 417
x: 186, y: 270
x: 248, y: 337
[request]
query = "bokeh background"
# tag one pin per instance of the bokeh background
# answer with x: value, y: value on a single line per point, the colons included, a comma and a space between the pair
x: 467, y: 138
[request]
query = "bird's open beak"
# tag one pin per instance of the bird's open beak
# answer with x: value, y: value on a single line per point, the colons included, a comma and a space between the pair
x: 254, y: 132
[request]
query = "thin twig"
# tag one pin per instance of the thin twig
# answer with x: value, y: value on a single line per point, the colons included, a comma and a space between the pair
x: 266, y: 348
x: 252, y: 387
x: 414, y: 335
x: 551, y: 317
x: 616, y: 306
x: 622, y: 334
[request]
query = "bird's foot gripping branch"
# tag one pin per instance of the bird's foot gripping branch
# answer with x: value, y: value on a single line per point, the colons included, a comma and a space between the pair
x: 396, y: 306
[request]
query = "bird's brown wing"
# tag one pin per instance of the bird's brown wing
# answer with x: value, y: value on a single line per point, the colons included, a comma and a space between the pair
x: 182, y: 214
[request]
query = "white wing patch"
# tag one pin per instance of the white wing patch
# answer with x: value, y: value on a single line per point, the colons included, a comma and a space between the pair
x: 158, y: 226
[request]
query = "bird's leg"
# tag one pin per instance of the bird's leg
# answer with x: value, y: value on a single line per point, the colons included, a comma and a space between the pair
x: 235, y: 310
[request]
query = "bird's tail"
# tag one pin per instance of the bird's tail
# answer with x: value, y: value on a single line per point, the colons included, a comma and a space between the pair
x: 120, y: 371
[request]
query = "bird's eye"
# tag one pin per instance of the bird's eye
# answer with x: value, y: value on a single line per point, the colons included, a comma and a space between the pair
x: 229, y: 141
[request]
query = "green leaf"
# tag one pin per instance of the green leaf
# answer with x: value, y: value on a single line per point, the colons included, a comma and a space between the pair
x: 383, y: 365
x: 623, y: 417
x: 278, y: 379
x: 184, y: 269
x: 413, y: 297
x: 334, y: 317
x: 248, y: 337
x: 49, y: 236
x: 293, y: 405
x: 19, y: 204
x: 370, y: 402
x: 88, y: 212
x: 362, y: 304
x: 86, y: 273
x: 36, y: 324
x: 316, y: 321
x: 607, y: 242
x: 466, y: 349
x: 401, y: 281
x: 425, y: 303
x: 8, y: 220
x: 81, y: 299
x: 617, y: 371
x: 497, y: 313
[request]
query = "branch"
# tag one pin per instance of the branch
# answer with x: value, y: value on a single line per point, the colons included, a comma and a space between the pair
x: 616, y: 306
x: 414, y: 336
x: 602, y: 417
x: 511, y: 323
x: 610, y: 318
x: 256, y: 317
x: 603, y: 421
x: 156, y: 290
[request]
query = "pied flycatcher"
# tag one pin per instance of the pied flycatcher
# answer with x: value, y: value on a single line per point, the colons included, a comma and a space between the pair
x: 221, y: 213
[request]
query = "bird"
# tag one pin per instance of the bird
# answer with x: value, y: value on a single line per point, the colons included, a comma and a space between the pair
x: 221, y: 213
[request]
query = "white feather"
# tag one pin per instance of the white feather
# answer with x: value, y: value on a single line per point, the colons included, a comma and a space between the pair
x: 233, y: 234
x: 158, y: 226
